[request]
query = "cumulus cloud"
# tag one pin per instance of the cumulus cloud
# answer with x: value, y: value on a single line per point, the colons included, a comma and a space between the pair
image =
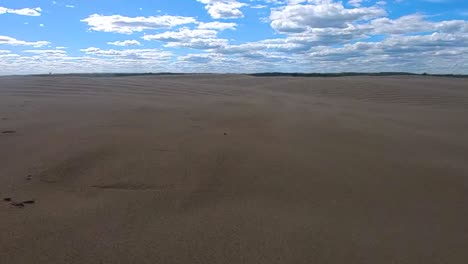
x: 416, y: 23
x: 217, y: 25
x: 322, y: 14
x: 125, y: 43
x: 197, y: 58
x: 131, y: 56
x: 189, y: 38
x: 49, y: 52
x: 438, y: 52
x: 101, y: 61
x: 23, y: 11
x: 223, y: 9
x: 5, y: 40
x: 128, y: 25
x: 182, y: 35
x: 355, y: 2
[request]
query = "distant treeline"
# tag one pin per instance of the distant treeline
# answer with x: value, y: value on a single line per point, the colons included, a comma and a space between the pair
x: 117, y: 74
x: 265, y: 74
x: 342, y: 74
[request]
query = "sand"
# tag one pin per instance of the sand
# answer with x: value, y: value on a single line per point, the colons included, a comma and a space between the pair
x: 233, y: 169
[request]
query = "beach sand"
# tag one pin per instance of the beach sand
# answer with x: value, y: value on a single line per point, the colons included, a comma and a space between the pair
x: 233, y: 169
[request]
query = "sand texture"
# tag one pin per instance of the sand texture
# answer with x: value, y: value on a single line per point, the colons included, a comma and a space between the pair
x: 233, y: 169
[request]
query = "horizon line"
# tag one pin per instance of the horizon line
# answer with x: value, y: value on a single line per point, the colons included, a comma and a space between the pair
x: 256, y: 74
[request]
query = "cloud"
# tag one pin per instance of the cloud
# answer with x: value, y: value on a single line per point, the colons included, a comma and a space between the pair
x: 41, y: 61
x: 324, y: 14
x: 132, y: 54
x: 416, y: 23
x: 5, y: 40
x: 49, y: 52
x: 182, y: 35
x: 125, y: 43
x: 23, y: 11
x: 196, y: 58
x: 270, y: 45
x: 189, y: 38
x: 223, y: 9
x: 437, y: 52
x: 217, y: 25
x: 355, y: 3
x: 258, y: 6
x: 128, y: 25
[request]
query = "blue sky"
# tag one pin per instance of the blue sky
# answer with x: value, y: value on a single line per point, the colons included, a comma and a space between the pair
x: 40, y: 36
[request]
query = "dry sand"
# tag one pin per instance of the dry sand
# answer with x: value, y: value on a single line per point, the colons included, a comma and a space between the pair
x: 234, y: 169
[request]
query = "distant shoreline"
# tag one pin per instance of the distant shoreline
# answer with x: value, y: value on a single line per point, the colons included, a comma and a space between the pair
x: 260, y: 74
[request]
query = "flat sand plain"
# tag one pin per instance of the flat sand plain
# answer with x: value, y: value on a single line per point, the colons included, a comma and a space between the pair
x: 233, y: 169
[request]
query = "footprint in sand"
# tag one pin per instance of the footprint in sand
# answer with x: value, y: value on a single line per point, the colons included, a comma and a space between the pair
x: 18, y: 204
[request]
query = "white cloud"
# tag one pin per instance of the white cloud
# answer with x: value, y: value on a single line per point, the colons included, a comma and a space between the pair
x: 23, y: 11
x: 189, y: 38
x: 49, y: 52
x: 258, y: 6
x: 217, y: 25
x: 416, y: 23
x: 101, y: 61
x: 5, y: 40
x: 437, y: 52
x: 196, y: 58
x: 125, y: 43
x: 356, y: 3
x: 132, y: 54
x: 326, y: 14
x: 128, y: 25
x: 182, y: 34
x: 223, y: 9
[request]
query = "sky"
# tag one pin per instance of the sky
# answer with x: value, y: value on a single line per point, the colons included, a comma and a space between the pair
x: 233, y: 36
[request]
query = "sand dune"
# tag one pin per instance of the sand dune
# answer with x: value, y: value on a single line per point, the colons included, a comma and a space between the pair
x: 233, y: 169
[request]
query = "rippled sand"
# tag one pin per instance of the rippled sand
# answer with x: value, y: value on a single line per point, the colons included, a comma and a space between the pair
x: 233, y: 169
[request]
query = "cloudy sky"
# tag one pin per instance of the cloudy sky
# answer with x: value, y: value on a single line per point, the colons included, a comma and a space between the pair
x: 41, y: 36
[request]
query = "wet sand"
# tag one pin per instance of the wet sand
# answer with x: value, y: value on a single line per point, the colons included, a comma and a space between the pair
x: 233, y: 169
